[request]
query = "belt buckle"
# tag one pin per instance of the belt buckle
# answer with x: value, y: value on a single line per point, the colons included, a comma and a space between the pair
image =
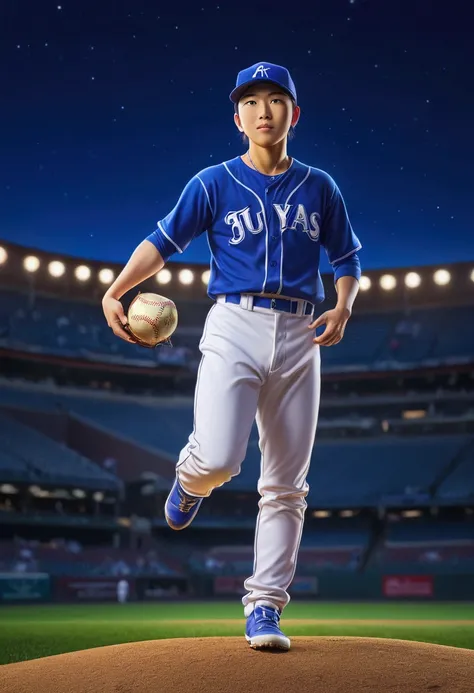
x: 273, y: 304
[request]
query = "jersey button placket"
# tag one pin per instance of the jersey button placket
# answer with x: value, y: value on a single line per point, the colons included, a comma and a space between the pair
x: 273, y: 280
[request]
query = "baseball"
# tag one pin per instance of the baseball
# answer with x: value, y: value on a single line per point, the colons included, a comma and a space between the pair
x: 152, y: 318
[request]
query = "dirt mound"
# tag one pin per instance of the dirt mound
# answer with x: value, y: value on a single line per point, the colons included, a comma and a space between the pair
x: 228, y: 665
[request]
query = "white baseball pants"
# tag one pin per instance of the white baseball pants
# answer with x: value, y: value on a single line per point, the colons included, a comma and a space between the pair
x: 257, y: 363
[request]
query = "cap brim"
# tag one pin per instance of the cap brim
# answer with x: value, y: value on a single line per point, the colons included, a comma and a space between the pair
x: 238, y: 92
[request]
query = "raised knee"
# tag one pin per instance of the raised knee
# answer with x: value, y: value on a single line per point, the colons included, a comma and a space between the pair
x: 222, y: 469
x: 217, y: 470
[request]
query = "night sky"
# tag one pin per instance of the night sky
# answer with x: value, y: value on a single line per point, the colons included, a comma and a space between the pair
x: 109, y: 107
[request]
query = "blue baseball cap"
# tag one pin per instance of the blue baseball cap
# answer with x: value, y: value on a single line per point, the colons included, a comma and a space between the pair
x: 263, y: 72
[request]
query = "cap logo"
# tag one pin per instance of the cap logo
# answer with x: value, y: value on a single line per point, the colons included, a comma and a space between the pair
x: 262, y: 71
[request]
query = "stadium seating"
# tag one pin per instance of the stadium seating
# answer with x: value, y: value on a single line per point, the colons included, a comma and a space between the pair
x: 459, y: 484
x: 455, y: 334
x: 33, y: 455
x: 103, y: 561
x: 164, y: 427
x: 364, y: 337
x: 382, y: 340
x: 427, y: 545
x: 426, y: 531
x: 372, y: 469
x: 37, y: 398
x: 231, y: 560
x: 326, y: 544
x: 13, y: 468
x: 362, y: 470
x: 70, y: 329
x: 367, y: 471
x: 330, y: 537
x: 95, y: 561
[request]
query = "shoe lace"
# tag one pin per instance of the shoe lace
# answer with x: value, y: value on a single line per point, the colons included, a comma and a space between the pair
x: 186, y: 503
x: 269, y: 615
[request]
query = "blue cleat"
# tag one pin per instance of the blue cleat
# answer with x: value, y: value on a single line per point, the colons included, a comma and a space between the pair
x: 263, y: 629
x: 180, y: 507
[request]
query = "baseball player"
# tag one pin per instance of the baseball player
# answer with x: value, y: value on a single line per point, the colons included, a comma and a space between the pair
x: 266, y: 216
x: 123, y: 589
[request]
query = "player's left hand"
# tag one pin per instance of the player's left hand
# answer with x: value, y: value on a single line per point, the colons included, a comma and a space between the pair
x: 335, y: 321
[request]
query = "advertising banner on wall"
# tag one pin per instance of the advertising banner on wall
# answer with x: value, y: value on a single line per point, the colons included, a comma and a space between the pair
x: 88, y: 589
x: 24, y: 587
x: 159, y: 588
x: 305, y: 585
x: 229, y: 584
x: 408, y: 586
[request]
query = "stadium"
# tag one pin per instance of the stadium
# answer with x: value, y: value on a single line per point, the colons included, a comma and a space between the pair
x: 90, y: 430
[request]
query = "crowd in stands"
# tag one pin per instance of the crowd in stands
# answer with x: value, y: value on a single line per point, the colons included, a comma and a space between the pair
x: 72, y: 328
x: 63, y: 556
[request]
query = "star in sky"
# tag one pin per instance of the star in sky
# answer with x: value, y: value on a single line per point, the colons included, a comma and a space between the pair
x: 392, y: 123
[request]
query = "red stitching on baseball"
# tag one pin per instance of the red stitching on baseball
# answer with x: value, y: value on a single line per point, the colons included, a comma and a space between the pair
x: 154, y: 322
x: 149, y: 302
x: 145, y: 318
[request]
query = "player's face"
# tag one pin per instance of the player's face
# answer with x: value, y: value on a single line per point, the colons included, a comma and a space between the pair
x: 265, y: 115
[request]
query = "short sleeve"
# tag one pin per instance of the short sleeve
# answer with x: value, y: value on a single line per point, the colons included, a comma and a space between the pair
x: 337, y: 235
x: 191, y: 216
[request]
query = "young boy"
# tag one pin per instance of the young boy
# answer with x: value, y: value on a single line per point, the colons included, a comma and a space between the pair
x: 267, y: 217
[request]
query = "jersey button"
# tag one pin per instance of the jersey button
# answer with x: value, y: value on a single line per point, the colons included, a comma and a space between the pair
x: 273, y: 263
x: 274, y: 238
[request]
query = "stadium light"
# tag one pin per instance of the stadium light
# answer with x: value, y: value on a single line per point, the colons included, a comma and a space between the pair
x: 411, y: 513
x: 472, y: 275
x: 164, y: 276
x: 442, y: 277
x: 206, y: 275
x: 56, y: 268
x: 410, y: 414
x: 388, y: 282
x: 106, y: 276
x: 186, y: 276
x: 38, y: 492
x: 9, y: 489
x: 365, y: 283
x: 78, y: 493
x: 412, y: 280
x: 347, y: 513
x: 98, y: 496
x: 31, y: 263
x: 3, y: 255
x: 83, y: 273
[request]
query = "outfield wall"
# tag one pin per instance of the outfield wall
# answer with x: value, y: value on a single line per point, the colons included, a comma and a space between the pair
x: 19, y: 588
x: 335, y: 585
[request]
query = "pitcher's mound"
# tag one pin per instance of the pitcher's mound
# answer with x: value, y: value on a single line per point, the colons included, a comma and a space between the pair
x: 228, y: 665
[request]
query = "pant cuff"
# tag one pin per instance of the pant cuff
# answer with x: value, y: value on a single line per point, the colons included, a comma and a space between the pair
x: 248, y: 609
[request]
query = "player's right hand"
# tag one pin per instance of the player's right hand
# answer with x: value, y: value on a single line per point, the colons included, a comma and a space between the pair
x: 116, y: 319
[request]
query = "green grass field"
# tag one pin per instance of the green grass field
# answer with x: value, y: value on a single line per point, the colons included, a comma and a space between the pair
x: 28, y: 632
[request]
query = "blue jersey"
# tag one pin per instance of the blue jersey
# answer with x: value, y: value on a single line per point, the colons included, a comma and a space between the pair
x: 265, y: 233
